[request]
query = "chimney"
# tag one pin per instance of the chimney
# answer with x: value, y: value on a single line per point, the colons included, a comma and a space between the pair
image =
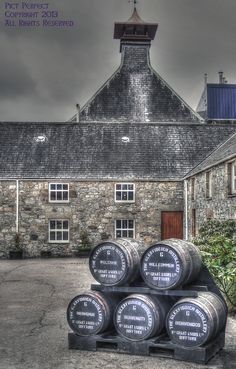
x: 77, y: 113
x: 205, y: 79
x: 221, y: 77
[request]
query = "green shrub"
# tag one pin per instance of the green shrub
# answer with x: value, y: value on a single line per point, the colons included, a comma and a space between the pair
x: 84, y: 239
x: 216, y: 227
x: 217, y: 242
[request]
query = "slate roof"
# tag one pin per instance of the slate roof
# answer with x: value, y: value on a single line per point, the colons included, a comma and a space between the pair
x: 225, y: 151
x: 95, y: 151
x: 136, y: 93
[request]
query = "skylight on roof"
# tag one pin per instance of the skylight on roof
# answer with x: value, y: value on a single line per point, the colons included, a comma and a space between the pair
x: 40, y: 138
x: 125, y: 139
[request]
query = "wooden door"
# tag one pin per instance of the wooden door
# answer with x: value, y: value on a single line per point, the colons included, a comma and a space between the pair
x: 171, y: 224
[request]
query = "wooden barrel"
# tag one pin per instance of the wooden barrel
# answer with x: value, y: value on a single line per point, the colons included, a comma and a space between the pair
x: 116, y: 262
x: 139, y: 317
x: 192, y: 322
x: 170, y: 263
x: 91, y: 313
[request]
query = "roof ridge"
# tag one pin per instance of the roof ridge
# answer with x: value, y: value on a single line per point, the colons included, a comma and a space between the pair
x: 154, y: 123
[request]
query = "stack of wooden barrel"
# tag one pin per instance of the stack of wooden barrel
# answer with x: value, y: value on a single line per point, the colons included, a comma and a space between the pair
x: 148, y: 300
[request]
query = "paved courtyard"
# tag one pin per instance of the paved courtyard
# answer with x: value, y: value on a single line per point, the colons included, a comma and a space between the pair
x: 34, y: 295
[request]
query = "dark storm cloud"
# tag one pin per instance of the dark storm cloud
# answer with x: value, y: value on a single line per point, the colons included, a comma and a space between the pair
x: 60, y: 67
x: 15, y: 79
x: 63, y: 62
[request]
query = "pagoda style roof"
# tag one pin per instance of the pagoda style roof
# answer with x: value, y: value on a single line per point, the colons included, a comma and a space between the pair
x: 135, y: 18
x: 135, y: 27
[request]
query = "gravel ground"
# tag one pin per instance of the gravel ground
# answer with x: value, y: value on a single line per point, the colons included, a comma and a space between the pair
x: 34, y: 295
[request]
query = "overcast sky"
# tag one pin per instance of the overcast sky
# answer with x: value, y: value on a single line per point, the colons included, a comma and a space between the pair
x: 44, y: 72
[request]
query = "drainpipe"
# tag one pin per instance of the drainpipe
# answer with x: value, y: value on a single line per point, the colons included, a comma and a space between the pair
x: 186, y: 208
x: 17, y: 206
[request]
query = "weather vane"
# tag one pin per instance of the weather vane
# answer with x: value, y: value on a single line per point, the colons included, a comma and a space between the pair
x: 133, y: 1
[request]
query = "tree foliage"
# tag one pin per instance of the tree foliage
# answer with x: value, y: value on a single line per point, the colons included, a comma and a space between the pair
x: 217, y: 242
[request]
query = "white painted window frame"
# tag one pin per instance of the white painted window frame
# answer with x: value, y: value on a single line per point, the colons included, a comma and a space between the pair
x: 233, y: 177
x: 123, y: 184
x: 58, y: 230
x: 125, y: 229
x: 50, y: 190
x: 208, y: 175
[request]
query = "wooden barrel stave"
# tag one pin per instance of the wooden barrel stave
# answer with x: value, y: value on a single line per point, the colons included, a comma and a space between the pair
x: 193, y: 322
x: 116, y: 262
x: 218, y: 306
x: 170, y: 263
x: 91, y: 313
x: 195, y: 262
x: 139, y: 317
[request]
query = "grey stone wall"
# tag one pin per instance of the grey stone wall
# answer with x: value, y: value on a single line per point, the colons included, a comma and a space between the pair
x: 221, y: 206
x: 92, y: 208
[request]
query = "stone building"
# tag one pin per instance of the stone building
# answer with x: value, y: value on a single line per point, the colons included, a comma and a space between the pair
x: 116, y: 170
x: 211, y: 187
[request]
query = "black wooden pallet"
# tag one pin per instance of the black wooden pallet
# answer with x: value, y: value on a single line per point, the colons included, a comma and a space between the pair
x: 204, y: 283
x: 146, y: 290
x: 159, y: 347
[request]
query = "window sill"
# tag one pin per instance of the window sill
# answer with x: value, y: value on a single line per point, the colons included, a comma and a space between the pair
x: 124, y: 202
x: 231, y: 195
x: 58, y: 241
x: 127, y: 238
x: 58, y: 202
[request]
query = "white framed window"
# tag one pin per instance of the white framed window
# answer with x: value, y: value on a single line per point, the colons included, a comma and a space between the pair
x: 124, y: 192
x: 233, y: 177
x: 58, y: 230
x: 125, y: 228
x: 58, y: 192
x: 209, y: 184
